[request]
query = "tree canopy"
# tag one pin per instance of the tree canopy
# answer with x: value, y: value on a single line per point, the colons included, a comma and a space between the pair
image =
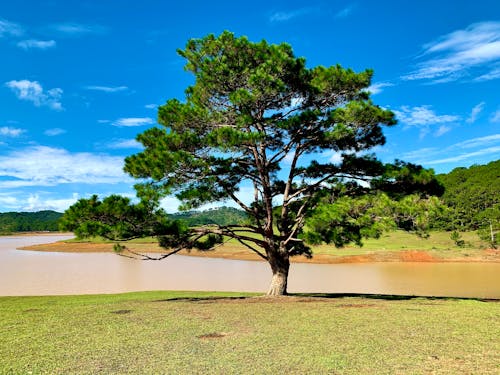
x: 258, y: 118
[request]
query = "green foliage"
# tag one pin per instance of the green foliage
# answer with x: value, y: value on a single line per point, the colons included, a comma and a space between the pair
x: 473, y: 197
x: 257, y: 116
x: 489, y: 233
x: 29, y: 221
x: 457, y: 238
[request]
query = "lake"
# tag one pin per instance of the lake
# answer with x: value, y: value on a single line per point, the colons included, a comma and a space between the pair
x: 44, y: 273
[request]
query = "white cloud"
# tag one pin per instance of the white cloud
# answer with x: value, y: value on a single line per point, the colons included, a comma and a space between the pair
x: 345, y: 12
x: 133, y: 121
x: 376, y: 88
x: 471, y: 149
x: 8, y: 28
x: 478, y: 142
x: 443, y: 129
x: 77, y: 29
x: 474, y: 51
x: 109, y: 89
x: 35, y: 203
x: 54, y: 131
x: 8, y: 131
x: 8, y: 200
x: 125, y: 143
x: 288, y: 15
x: 495, y: 117
x: 151, y: 106
x: 47, y: 166
x: 470, y: 155
x: 493, y: 74
x: 36, y: 44
x: 32, y: 91
x: 423, y: 118
x: 475, y: 112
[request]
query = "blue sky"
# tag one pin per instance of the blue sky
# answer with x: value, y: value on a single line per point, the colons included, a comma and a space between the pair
x: 80, y: 79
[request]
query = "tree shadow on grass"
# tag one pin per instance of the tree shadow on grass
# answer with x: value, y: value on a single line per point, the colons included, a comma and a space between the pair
x: 390, y: 297
x: 311, y: 297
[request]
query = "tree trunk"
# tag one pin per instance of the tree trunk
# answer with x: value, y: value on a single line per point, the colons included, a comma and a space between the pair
x: 280, y: 264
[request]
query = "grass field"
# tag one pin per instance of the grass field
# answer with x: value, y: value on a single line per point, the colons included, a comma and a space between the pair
x: 206, y: 333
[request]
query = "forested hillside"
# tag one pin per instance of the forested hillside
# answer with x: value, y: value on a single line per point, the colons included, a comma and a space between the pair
x: 220, y: 216
x: 29, y: 221
x: 473, y: 195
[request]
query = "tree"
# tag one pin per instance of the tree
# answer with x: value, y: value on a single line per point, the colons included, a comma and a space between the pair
x: 257, y: 116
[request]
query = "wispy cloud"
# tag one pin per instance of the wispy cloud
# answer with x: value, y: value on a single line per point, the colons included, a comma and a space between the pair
x: 133, y: 121
x: 495, y: 116
x: 468, y: 150
x: 472, y: 52
x: 109, y: 89
x: 77, y: 29
x: 284, y: 16
x: 125, y: 143
x: 47, y: 166
x: 36, y: 44
x: 443, y: 129
x: 151, y: 106
x: 478, y: 142
x: 8, y: 131
x: 475, y: 113
x: 35, y: 202
x: 54, y: 131
x: 466, y: 156
x: 424, y: 117
x: 8, y: 28
x: 343, y: 13
x: 33, y: 91
x: 377, y: 88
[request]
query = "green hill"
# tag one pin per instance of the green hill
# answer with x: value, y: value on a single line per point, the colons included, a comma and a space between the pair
x: 29, y: 221
x: 220, y: 216
x: 473, y: 194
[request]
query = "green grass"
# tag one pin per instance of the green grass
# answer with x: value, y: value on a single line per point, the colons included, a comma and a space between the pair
x: 400, y: 240
x: 205, y: 333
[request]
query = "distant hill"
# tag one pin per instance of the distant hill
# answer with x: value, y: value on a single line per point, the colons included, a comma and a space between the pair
x: 473, y: 194
x: 220, y: 216
x: 29, y: 221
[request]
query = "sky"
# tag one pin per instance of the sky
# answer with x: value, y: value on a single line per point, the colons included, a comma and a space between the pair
x: 80, y: 79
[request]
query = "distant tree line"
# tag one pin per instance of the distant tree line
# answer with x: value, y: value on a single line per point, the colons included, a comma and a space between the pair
x: 29, y: 221
x: 219, y: 216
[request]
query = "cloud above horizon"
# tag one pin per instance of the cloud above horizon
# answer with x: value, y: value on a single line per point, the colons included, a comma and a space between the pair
x: 8, y: 131
x: 283, y: 16
x: 423, y: 117
x: 33, y: 91
x: 468, y: 150
x: 133, y: 121
x: 77, y: 29
x: 36, y: 44
x: 108, y: 89
x: 8, y: 28
x: 49, y: 166
x: 472, y: 53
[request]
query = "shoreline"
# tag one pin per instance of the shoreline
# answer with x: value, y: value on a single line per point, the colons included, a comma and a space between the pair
x: 236, y: 252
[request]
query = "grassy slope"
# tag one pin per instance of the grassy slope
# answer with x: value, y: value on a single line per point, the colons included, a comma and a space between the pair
x: 173, y: 332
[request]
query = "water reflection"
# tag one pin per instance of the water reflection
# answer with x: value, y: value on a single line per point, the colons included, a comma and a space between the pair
x: 38, y: 273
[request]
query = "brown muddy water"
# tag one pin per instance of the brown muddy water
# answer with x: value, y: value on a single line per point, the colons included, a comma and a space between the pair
x: 43, y: 273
